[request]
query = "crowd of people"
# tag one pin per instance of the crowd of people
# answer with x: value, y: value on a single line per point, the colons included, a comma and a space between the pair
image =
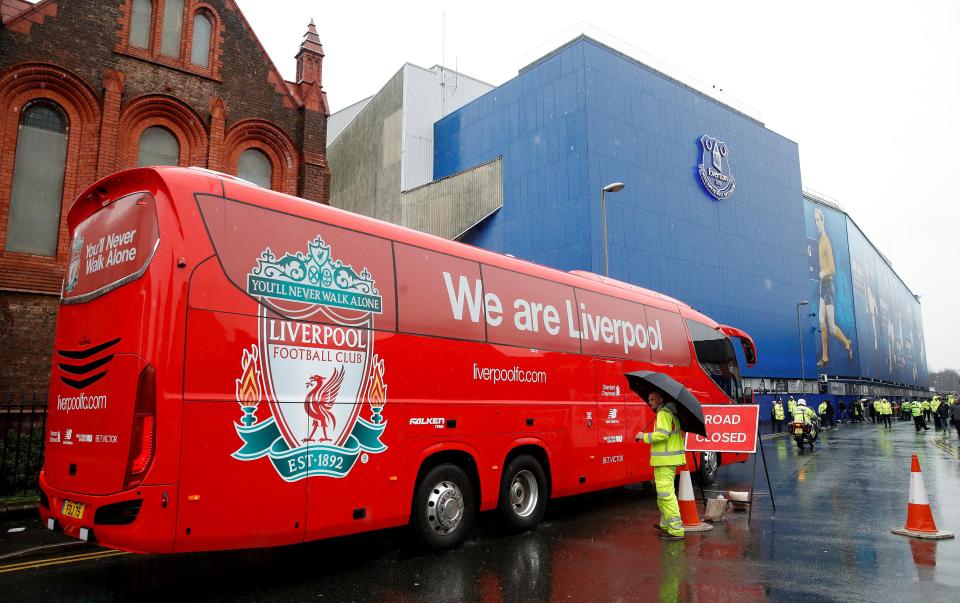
x: 942, y: 411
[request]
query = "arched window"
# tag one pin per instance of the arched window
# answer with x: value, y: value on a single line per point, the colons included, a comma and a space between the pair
x: 38, y: 168
x: 255, y: 166
x: 172, y: 27
x: 141, y: 23
x: 200, y: 48
x: 158, y: 146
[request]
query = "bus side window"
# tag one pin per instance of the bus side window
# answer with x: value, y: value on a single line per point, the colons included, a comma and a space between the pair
x: 439, y: 294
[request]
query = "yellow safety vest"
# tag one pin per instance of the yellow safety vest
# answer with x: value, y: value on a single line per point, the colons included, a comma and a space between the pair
x: 926, y: 405
x: 822, y: 408
x: 666, y: 440
x: 803, y: 413
x: 791, y: 405
x: 778, y: 411
x: 916, y: 409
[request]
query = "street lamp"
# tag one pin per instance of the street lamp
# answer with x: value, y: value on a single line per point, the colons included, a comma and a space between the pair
x: 800, y: 337
x: 613, y: 187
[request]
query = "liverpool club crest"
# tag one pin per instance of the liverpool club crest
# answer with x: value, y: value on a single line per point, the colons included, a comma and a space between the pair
x: 714, y: 168
x: 73, y: 271
x: 314, y: 366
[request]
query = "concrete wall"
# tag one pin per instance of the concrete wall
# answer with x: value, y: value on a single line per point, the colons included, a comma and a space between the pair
x: 365, y: 158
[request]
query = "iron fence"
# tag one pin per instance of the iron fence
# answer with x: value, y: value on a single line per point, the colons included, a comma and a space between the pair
x: 23, y: 420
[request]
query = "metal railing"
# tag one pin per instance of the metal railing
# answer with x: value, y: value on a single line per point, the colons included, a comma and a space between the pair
x: 23, y: 420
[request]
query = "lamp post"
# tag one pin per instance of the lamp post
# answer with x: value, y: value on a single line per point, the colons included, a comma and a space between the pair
x: 800, y: 337
x: 613, y: 187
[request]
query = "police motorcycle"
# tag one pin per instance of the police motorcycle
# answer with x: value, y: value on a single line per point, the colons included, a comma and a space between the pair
x: 805, y: 433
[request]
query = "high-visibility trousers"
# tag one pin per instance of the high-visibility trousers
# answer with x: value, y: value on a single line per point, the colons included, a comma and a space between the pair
x: 667, y: 500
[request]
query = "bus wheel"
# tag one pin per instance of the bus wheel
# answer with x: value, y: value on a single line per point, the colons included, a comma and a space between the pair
x: 523, y: 494
x: 443, y: 507
x: 709, y: 464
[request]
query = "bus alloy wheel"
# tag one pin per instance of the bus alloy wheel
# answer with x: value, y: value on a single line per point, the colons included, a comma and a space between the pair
x: 443, y: 507
x: 709, y: 464
x: 523, y: 494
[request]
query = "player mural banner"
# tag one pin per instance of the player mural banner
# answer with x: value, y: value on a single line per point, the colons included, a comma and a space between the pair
x: 888, y: 317
x: 730, y: 428
x: 831, y: 334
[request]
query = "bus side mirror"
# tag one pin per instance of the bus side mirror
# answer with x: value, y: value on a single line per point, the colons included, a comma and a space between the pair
x: 747, y: 395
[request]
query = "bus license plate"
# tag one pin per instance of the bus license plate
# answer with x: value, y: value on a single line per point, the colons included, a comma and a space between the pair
x: 73, y: 509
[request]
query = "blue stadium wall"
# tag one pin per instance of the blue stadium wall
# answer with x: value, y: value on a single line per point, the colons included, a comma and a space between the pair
x: 586, y: 116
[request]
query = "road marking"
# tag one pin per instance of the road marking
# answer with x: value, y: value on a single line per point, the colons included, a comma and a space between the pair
x: 942, y: 444
x: 25, y: 565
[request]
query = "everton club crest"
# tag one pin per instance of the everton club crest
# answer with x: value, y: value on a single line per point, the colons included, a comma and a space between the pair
x: 314, y: 366
x: 715, y: 168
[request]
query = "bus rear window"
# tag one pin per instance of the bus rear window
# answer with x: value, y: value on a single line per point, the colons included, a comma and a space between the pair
x: 111, y: 248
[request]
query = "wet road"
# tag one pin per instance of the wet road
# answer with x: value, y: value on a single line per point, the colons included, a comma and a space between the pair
x: 830, y: 540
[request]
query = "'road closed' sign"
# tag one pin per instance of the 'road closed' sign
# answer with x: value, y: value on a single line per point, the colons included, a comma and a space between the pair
x: 730, y: 428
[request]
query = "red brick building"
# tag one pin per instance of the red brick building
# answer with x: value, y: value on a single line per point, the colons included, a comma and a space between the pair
x: 90, y: 87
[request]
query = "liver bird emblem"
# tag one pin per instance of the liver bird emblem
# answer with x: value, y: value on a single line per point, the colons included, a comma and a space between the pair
x: 319, y: 403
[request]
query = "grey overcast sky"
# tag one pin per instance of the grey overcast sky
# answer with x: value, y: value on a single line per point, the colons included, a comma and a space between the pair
x: 869, y: 90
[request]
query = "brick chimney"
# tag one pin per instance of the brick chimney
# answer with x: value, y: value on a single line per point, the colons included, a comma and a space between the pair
x: 310, y: 58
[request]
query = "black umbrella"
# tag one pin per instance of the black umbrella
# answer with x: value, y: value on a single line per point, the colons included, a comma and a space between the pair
x: 684, y: 404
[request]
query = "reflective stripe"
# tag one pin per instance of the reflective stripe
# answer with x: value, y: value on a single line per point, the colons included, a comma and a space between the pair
x: 665, y: 432
x: 664, y: 494
x: 668, y: 453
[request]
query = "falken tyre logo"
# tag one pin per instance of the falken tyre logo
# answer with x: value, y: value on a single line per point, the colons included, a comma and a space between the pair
x: 317, y: 374
x: 714, y: 168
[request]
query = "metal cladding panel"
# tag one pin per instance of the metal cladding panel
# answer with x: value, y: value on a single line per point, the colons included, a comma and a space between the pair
x: 428, y: 95
x: 450, y: 206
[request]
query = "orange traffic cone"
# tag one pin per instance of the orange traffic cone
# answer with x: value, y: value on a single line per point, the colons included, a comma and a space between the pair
x: 688, y: 505
x: 920, y: 522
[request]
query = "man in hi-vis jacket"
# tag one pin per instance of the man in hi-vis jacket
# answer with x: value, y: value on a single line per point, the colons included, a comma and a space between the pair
x: 666, y: 454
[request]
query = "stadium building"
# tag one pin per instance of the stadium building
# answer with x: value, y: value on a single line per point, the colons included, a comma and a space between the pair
x: 712, y: 211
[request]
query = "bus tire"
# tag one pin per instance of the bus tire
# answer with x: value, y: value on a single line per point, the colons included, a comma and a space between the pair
x: 444, y: 507
x: 523, y: 494
x: 709, y: 465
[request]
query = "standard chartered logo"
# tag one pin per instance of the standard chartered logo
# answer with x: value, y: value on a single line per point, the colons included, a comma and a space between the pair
x: 81, y: 402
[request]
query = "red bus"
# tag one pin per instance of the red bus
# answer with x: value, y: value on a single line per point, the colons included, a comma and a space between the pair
x: 238, y: 368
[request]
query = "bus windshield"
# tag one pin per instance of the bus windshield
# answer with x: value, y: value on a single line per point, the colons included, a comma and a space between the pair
x: 717, y: 357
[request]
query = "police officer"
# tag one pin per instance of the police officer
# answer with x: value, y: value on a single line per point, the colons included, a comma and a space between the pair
x: 856, y: 411
x: 777, y: 414
x: 926, y: 410
x: 822, y: 412
x: 955, y: 412
x: 791, y: 406
x: 934, y: 408
x: 802, y: 413
x: 886, y: 411
x: 666, y: 453
x: 916, y: 410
